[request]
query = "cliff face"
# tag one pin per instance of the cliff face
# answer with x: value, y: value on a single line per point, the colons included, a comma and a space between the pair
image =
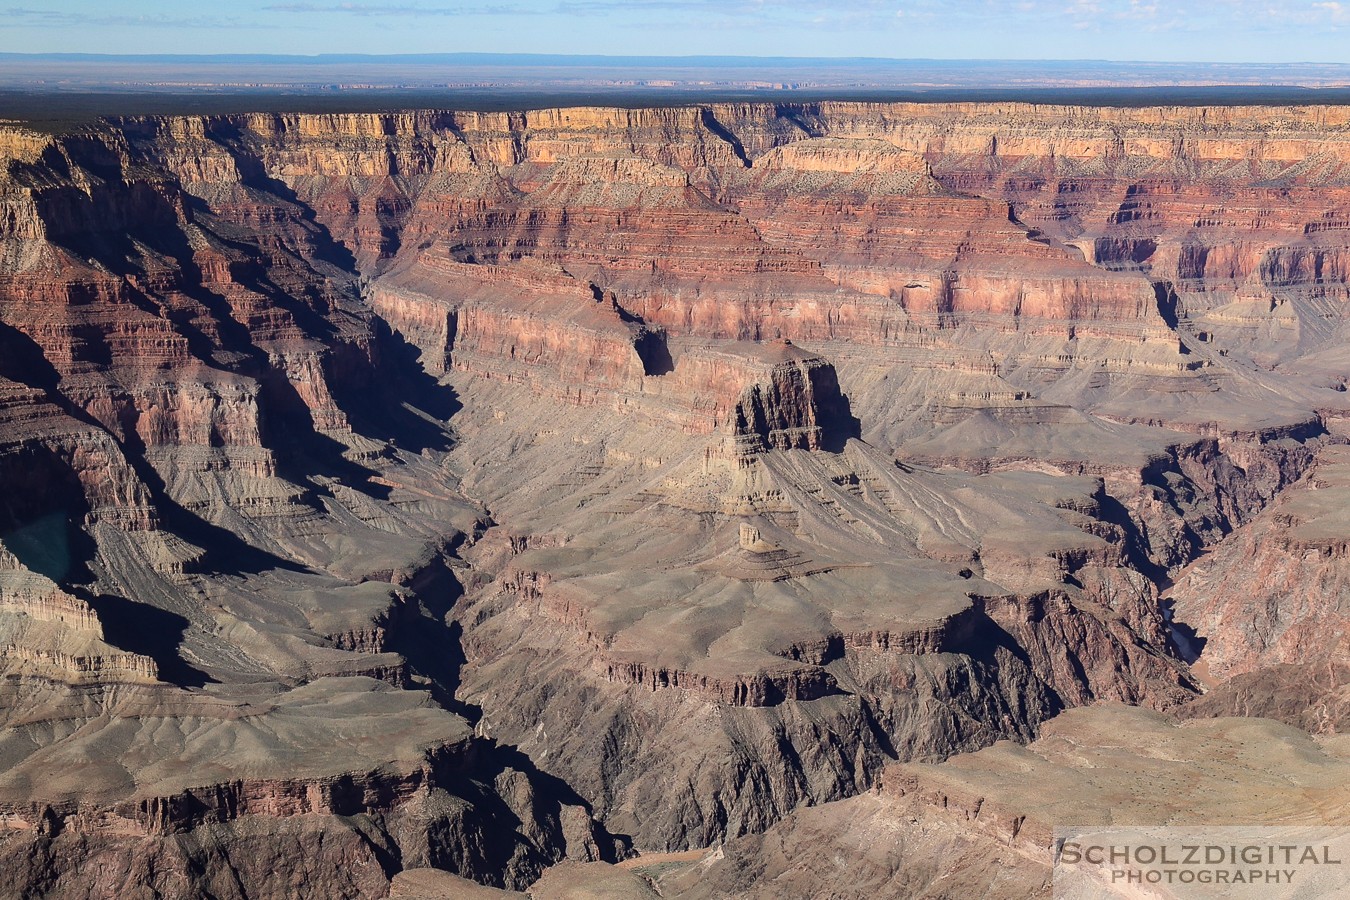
x: 669, y: 470
x: 983, y: 823
x: 1267, y: 611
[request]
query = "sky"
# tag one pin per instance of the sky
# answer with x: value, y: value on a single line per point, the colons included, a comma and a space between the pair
x: 1265, y: 31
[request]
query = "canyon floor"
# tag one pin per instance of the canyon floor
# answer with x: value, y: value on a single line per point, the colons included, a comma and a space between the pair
x: 737, y: 500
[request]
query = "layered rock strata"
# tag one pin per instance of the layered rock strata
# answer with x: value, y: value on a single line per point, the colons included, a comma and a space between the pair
x: 676, y: 469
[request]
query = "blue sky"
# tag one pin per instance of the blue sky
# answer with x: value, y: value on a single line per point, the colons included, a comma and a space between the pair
x: 1178, y: 30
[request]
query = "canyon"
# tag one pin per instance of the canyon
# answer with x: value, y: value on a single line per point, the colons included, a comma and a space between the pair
x: 665, y: 502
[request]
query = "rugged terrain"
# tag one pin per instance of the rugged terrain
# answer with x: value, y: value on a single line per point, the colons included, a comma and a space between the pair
x: 397, y: 502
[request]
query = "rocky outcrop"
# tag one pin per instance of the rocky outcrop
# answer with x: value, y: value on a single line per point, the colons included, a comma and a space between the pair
x: 1264, y: 616
x: 796, y: 407
x: 339, y: 784
x: 50, y: 633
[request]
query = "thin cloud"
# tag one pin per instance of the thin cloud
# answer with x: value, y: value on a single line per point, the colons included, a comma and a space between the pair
x: 47, y: 18
x: 1338, y: 12
x: 631, y: 9
x: 402, y: 11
